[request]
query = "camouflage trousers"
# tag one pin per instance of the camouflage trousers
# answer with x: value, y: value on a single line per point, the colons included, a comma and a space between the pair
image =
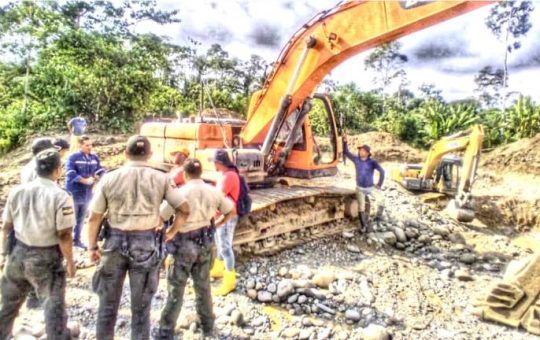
x: 136, y: 255
x: 39, y: 269
x: 191, y: 259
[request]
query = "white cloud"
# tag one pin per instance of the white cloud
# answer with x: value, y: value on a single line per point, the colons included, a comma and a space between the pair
x: 232, y: 24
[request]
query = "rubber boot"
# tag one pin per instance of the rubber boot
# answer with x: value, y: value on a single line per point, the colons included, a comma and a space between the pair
x: 217, y: 268
x: 228, y: 285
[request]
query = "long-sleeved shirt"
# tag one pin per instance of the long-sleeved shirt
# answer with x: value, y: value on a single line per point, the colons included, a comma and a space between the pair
x: 80, y: 166
x: 364, y: 169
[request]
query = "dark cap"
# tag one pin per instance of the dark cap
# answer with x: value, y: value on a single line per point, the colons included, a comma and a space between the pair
x: 61, y: 143
x: 40, y: 144
x: 221, y: 156
x: 47, y: 161
x: 365, y: 147
x: 138, y: 146
x: 193, y: 167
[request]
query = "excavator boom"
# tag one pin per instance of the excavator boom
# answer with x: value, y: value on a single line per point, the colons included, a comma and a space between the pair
x: 327, y: 40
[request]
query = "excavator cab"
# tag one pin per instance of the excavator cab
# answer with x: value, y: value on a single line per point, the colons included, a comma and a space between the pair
x: 301, y: 151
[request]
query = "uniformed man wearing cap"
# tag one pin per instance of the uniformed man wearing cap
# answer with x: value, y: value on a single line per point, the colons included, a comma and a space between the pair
x: 131, y: 198
x: 190, y: 245
x: 41, y: 213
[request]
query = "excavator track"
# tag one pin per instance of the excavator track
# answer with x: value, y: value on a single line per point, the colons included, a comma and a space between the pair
x: 284, y: 217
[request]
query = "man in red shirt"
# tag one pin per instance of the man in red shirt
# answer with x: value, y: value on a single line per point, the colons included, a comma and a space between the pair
x: 229, y: 184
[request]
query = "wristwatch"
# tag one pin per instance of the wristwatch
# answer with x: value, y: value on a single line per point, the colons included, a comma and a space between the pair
x: 93, y: 248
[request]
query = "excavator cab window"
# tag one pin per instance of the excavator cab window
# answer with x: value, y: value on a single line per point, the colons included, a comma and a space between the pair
x: 286, y: 129
x: 323, y: 130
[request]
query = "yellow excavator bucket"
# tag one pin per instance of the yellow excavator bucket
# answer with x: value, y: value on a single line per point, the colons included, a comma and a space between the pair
x: 515, y: 301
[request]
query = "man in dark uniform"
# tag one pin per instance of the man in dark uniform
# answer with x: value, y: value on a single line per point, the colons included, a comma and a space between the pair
x: 190, y: 244
x: 131, y: 197
x: 41, y: 213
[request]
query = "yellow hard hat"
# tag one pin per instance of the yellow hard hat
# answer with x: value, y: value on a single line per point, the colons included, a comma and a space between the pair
x: 181, y: 149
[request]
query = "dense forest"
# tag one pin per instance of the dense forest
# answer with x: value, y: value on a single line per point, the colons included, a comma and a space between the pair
x: 62, y: 59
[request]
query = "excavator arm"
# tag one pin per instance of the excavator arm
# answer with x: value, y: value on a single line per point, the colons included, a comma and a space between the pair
x: 327, y: 40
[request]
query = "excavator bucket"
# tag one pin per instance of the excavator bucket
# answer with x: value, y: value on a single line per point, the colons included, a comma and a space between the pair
x: 515, y: 300
x: 458, y: 213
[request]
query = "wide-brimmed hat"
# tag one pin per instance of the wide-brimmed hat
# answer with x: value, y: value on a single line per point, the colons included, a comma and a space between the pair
x: 181, y: 149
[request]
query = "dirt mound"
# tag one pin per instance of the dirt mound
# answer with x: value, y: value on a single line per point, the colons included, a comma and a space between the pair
x: 385, y: 147
x: 497, y: 211
x: 521, y: 156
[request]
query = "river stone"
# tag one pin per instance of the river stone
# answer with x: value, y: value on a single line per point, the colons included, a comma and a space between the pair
x: 441, y: 230
x: 252, y: 294
x: 284, y: 289
x: 353, y: 315
x: 424, y: 239
x: 264, y: 296
x: 400, y: 234
x: 293, y: 298
x: 305, y: 334
x: 323, y: 279
x: 250, y: 284
x: 290, y: 332
x: 467, y: 258
x: 353, y: 248
x: 272, y: 288
x: 388, y: 237
x: 237, y: 318
x: 375, y: 332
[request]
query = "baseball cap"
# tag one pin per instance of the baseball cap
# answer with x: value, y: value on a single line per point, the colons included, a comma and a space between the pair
x: 40, y: 144
x: 193, y: 166
x: 181, y: 149
x: 221, y: 156
x: 47, y: 160
x: 138, y: 146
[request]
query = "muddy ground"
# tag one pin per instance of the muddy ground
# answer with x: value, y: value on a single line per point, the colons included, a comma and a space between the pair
x: 417, y: 275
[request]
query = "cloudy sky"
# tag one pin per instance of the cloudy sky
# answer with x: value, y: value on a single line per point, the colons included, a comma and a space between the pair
x: 447, y: 55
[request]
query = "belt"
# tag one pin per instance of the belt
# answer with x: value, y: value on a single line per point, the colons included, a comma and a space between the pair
x: 133, y: 232
x: 196, y: 234
x: 25, y: 246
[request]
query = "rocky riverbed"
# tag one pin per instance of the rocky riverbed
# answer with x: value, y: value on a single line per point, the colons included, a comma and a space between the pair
x: 417, y: 274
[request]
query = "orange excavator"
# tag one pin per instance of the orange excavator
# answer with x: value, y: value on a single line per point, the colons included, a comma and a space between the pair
x: 277, y: 152
x: 275, y: 148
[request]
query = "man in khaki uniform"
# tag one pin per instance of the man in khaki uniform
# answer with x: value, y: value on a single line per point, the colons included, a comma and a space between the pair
x: 190, y: 244
x: 131, y: 198
x: 41, y: 213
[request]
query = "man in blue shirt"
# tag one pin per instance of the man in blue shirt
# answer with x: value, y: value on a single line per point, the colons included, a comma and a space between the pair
x: 365, y: 169
x: 77, y: 128
x: 82, y: 170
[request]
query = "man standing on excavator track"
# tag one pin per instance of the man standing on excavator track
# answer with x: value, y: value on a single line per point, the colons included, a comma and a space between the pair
x: 365, y: 168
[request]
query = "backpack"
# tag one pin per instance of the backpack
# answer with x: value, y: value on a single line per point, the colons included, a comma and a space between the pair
x: 243, y: 205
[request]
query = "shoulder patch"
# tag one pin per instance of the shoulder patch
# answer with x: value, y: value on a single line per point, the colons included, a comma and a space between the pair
x: 67, y: 211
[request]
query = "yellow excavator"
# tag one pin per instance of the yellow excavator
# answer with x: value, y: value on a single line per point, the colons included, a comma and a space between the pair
x: 446, y: 173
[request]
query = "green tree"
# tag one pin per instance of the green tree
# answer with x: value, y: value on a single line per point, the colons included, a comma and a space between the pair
x: 489, y: 83
x: 509, y: 21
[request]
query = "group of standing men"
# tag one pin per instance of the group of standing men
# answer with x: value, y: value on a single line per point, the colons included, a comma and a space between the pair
x: 41, y: 216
